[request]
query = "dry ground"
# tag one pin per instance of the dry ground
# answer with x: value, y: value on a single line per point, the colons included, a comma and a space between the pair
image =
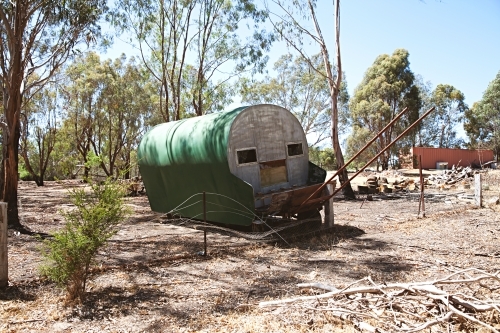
x: 151, y: 279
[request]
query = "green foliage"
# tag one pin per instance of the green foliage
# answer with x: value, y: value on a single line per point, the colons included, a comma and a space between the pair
x: 304, y: 91
x: 387, y: 88
x: 108, y: 103
x: 324, y: 158
x: 355, y: 142
x: 64, y: 157
x: 93, y: 160
x: 23, y: 173
x: 38, y: 36
x: 185, y: 43
x: 450, y: 108
x: 483, y: 119
x: 69, y: 255
x: 40, y: 126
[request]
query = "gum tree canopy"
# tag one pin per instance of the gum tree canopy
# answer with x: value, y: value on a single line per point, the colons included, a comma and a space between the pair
x: 387, y: 88
x: 483, y: 119
x: 36, y: 37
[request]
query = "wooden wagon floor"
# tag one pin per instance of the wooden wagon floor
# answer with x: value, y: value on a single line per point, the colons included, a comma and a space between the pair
x: 151, y: 278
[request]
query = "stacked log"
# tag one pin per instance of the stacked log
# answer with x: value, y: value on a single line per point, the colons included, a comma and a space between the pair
x: 370, y: 186
x: 457, y: 175
x: 374, y: 184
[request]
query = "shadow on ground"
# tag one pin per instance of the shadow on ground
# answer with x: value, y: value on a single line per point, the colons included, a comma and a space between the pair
x: 16, y: 293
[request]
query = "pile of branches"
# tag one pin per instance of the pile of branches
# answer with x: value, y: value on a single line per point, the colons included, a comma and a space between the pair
x: 409, y: 307
x: 454, y: 175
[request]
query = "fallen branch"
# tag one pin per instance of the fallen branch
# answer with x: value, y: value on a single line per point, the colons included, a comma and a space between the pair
x: 410, y: 304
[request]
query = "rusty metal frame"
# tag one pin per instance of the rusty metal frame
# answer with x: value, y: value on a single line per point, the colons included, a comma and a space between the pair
x: 381, y: 152
x: 355, y: 155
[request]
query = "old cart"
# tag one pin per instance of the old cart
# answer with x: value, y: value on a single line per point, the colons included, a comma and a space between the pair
x: 250, y: 162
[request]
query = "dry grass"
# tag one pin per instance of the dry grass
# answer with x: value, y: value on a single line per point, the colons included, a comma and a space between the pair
x: 152, y: 280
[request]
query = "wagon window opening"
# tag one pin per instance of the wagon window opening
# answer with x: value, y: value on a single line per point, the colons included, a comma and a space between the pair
x: 295, y: 149
x: 247, y: 156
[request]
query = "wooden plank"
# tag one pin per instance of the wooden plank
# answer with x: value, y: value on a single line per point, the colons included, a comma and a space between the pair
x: 4, y: 266
x: 272, y: 175
x: 284, y: 202
x: 312, y: 204
x: 278, y: 201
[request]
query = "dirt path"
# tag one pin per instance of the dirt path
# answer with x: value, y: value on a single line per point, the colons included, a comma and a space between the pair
x: 151, y: 278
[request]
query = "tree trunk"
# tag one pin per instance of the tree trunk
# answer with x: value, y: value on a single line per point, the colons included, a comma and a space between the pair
x: 12, y: 110
x: 343, y: 176
x: 127, y: 165
x: 385, y: 163
x: 334, y: 85
x: 11, y: 158
x: 86, y: 172
x: 127, y: 173
x: 10, y: 182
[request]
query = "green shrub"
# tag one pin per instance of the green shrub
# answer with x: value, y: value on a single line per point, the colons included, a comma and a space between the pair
x: 23, y: 173
x: 69, y: 254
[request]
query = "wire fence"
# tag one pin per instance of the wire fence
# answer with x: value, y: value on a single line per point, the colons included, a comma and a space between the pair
x: 406, y: 204
x: 389, y: 207
x: 262, y: 228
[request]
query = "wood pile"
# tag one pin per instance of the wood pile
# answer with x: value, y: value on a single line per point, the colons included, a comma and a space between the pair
x: 463, y: 176
x: 376, y: 184
x: 453, y: 176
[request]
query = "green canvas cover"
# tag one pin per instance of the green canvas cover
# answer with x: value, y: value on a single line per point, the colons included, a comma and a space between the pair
x: 179, y: 160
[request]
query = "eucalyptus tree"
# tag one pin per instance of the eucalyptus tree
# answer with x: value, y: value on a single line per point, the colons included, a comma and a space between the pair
x: 438, y: 129
x: 426, y: 130
x: 138, y: 107
x: 450, y: 109
x: 82, y: 95
x: 288, y: 18
x: 40, y: 122
x: 194, y: 48
x: 107, y: 102
x: 388, y: 86
x: 302, y: 90
x: 36, y: 36
x: 63, y: 162
x: 119, y: 123
x: 482, y: 121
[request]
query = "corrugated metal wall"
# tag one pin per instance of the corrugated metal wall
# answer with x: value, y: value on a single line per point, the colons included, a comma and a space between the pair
x: 463, y: 157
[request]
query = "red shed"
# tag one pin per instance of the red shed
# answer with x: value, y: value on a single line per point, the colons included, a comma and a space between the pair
x: 432, y: 158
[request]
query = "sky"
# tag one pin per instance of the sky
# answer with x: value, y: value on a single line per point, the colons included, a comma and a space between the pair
x: 454, y: 42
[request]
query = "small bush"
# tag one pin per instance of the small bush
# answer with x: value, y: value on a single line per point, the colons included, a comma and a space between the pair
x: 23, y: 173
x: 69, y: 255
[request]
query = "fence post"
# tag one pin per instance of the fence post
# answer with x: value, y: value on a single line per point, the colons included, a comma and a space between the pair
x: 328, y: 206
x: 204, y: 220
x: 4, y: 266
x: 421, y: 204
x: 478, y: 190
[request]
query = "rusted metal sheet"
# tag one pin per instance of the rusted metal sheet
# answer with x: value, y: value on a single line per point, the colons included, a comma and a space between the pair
x: 462, y: 157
